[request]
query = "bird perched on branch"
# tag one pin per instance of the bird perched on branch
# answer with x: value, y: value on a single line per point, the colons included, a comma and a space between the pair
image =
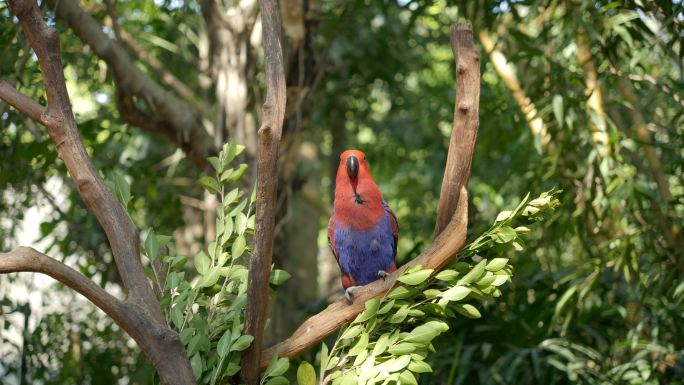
x: 363, y: 230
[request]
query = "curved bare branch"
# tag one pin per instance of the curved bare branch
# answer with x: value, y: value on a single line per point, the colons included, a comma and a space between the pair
x: 21, y: 102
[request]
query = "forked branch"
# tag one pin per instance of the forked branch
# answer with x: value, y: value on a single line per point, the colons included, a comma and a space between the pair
x: 452, y: 215
x: 140, y: 314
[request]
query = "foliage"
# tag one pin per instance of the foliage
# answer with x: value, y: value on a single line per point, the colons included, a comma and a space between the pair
x: 207, y: 309
x: 597, y: 298
x: 391, y: 339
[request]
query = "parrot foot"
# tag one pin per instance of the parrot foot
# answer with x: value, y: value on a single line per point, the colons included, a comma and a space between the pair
x: 349, y: 293
x: 382, y: 274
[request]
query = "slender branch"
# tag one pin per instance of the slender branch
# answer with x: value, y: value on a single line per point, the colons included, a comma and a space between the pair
x: 21, y: 102
x: 449, y: 239
x: 155, y: 340
x: 465, y: 124
x: 26, y: 259
x: 182, y: 123
x: 273, y: 114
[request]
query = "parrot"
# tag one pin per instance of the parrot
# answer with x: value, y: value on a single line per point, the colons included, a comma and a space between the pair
x: 363, y: 230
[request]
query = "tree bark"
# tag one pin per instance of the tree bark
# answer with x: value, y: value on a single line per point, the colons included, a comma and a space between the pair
x: 267, y: 184
x: 140, y: 314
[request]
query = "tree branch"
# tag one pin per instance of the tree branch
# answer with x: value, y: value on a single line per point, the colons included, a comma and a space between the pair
x: 465, y: 124
x: 152, y: 338
x: 21, y: 102
x: 61, y: 125
x: 273, y: 114
x: 140, y: 315
x: 26, y: 259
x: 449, y: 239
x: 182, y: 123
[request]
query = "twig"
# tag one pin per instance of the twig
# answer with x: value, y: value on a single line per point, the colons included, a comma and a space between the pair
x: 273, y: 114
x: 21, y: 102
x: 449, y: 239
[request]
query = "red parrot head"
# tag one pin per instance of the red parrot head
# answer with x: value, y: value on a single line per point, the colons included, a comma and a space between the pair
x: 354, y: 185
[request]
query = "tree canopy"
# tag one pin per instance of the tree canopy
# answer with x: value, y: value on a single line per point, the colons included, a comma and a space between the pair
x: 579, y: 99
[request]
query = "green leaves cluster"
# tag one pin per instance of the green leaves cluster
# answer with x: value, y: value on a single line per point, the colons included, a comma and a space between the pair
x: 389, y: 341
x: 206, y: 306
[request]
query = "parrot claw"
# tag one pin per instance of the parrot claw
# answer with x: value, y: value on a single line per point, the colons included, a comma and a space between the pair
x: 349, y: 293
x: 382, y: 274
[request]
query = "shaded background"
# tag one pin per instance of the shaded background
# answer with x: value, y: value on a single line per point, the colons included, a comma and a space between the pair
x: 586, y: 96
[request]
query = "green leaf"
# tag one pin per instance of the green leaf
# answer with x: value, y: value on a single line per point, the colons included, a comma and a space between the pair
x: 239, y: 246
x: 152, y: 245
x: 306, y: 375
x: 402, y: 348
x: 215, y: 163
x: 177, y: 315
x: 202, y: 262
x: 503, y: 216
x: 211, y: 277
x: 407, y: 378
x: 426, y: 332
x: 324, y: 357
x: 394, y: 364
x: 197, y: 366
x: 241, y: 343
x: 474, y: 274
x: 223, y: 346
x: 500, y: 280
x: 418, y: 366
x: 351, y: 332
x: 400, y: 315
x: 349, y: 378
x: 386, y: 307
x: 120, y: 188
x: 381, y: 345
x: 277, y: 367
x: 372, y: 306
x: 210, y: 184
x: 456, y: 293
x: 558, y: 108
x: 278, y: 381
x: 468, y: 310
x: 505, y: 234
x: 446, y: 275
x: 240, y: 223
x: 278, y: 277
x: 486, y: 280
x: 360, y: 345
x: 415, y: 278
x: 401, y: 292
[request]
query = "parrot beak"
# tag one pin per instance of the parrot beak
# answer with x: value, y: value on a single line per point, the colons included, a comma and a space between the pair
x: 353, y: 166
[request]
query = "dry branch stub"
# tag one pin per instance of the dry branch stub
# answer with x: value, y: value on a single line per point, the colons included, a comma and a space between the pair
x: 452, y: 216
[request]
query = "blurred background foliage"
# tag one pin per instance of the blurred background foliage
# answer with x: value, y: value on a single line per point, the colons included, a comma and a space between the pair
x: 585, y: 96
